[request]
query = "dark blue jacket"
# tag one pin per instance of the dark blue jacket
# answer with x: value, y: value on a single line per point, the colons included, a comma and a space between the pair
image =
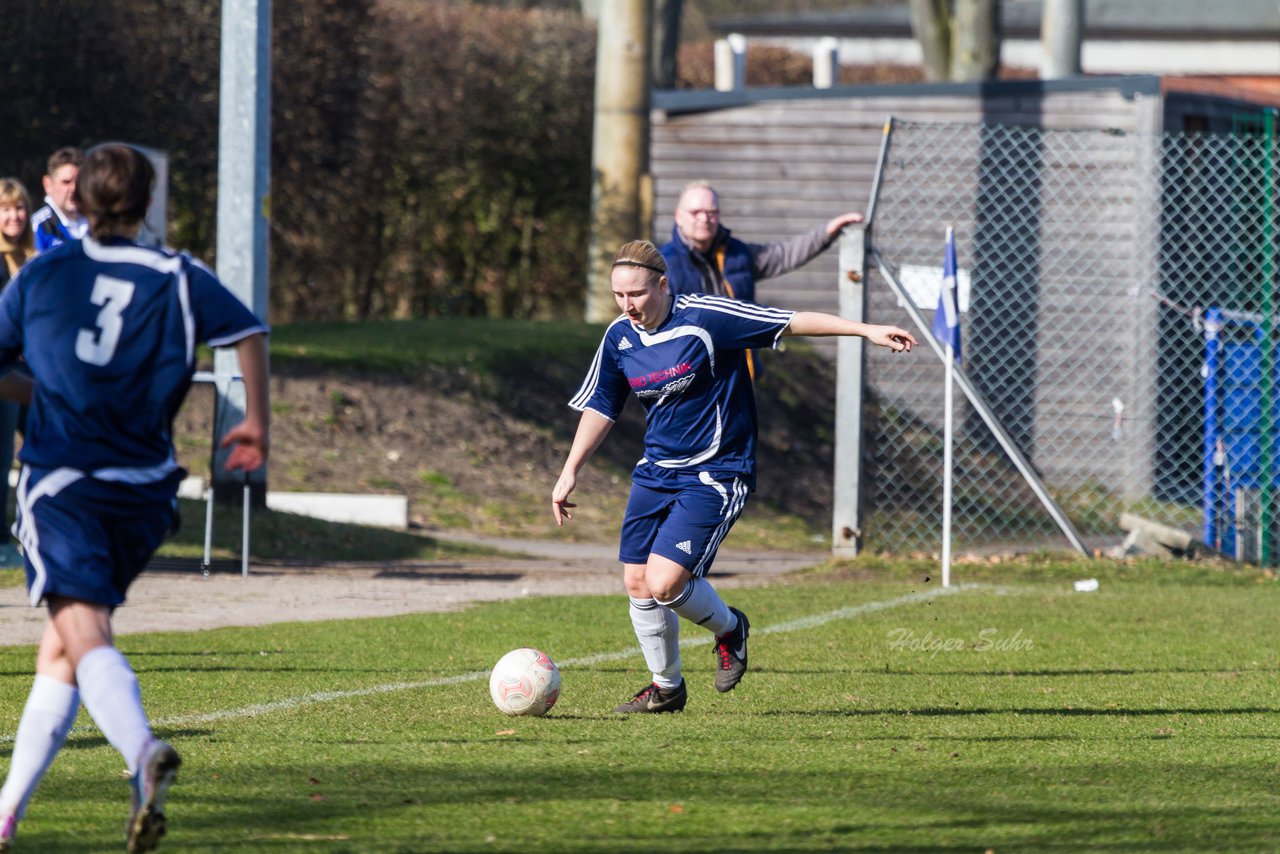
x: 737, y: 267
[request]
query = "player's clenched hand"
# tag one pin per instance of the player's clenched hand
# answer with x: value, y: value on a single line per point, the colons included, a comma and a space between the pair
x: 892, y: 337
x: 250, y: 450
x: 560, y: 504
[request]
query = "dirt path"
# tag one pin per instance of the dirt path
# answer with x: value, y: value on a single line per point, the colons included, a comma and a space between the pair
x: 182, y: 599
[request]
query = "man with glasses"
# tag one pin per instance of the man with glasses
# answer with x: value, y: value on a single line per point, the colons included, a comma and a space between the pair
x: 703, y: 257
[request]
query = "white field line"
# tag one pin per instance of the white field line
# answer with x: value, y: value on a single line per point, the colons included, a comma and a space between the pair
x: 800, y: 624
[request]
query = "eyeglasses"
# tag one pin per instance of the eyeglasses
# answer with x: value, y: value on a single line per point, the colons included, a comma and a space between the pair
x: 709, y: 215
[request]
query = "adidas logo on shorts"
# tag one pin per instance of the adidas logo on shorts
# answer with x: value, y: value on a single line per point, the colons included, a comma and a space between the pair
x: 624, y: 344
x: 686, y: 547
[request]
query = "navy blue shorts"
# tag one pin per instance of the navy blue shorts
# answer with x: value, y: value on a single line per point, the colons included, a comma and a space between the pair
x: 88, y: 539
x: 685, y: 523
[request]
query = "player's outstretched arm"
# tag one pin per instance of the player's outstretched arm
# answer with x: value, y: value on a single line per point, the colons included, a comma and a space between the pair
x: 251, y: 436
x: 821, y: 325
x: 592, y: 428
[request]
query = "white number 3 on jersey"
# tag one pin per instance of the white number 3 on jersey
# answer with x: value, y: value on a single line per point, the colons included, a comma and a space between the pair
x: 97, y: 346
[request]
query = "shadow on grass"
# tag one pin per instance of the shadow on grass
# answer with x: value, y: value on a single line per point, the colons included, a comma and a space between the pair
x: 511, y: 806
x: 908, y: 671
x: 1109, y: 671
x: 288, y: 536
x: 1014, y: 739
x: 942, y: 711
x: 448, y: 572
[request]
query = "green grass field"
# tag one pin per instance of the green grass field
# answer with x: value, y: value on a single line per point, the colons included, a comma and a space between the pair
x: 880, y: 714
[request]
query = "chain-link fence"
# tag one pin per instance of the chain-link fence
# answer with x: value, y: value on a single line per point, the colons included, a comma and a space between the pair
x: 1089, y: 262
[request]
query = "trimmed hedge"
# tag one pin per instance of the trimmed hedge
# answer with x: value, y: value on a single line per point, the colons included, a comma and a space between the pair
x: 428, y: 158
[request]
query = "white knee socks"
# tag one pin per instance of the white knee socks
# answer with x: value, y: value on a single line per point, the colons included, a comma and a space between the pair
x: 110, y: 693
x: 700, y: 603
x: 658, y: 630
x: 46, y: 720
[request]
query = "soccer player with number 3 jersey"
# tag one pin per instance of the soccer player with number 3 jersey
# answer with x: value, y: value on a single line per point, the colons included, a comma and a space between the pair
x: 109, y: 330
x: 684, y: 358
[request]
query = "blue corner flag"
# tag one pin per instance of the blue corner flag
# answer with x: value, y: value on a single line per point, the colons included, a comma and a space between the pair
x: 946, y: 320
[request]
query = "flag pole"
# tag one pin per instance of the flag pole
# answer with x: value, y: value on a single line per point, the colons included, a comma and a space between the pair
x: 948, y: 430
x: 947, y: 298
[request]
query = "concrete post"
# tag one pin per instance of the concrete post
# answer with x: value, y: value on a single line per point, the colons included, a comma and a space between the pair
x: 731, y: 63
x: 846, y: 510
x: 244, y: 128
x: 1061, y: 34
x: 826, y: 62
x: 620, y: 143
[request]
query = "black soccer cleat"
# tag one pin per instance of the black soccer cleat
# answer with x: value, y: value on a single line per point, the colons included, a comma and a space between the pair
x: 654, y: 700
x: 730, y: 650
x: 157, y: 769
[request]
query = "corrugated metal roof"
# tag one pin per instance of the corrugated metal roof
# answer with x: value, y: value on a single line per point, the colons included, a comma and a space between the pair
x: 1251, y: 20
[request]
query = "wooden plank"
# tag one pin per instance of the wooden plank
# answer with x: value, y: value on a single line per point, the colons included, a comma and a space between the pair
x: 764, y: 169
x: 826, y: 134
x: 764, y: 153
x: 763, y: 190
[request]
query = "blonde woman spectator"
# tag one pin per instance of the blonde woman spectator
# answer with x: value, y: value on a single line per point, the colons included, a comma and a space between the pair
x: 17, y: 246
x: 17, y: 238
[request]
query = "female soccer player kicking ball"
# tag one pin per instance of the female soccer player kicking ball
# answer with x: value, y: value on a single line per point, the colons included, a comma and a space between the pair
x: 108, y: 329
x: 684, y: 358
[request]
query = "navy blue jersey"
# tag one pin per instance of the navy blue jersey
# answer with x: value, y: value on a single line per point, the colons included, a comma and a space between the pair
x: 109, y: 333
x: 690, y: 375
x: 51, y: 229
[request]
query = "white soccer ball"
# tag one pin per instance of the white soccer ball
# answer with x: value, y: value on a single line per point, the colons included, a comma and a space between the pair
x: 524, y: 682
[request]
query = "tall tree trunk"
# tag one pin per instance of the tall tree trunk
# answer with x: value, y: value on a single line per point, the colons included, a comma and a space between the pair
x: 667, y: 40
x: 975, y: 30
x: 620, y: 142
x: 931, y: 24
x: 960, y: 39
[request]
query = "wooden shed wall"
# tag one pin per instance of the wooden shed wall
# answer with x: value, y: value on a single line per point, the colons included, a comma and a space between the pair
x: 785, y: 166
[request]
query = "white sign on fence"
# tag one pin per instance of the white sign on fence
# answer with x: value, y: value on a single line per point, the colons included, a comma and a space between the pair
x: 924, y: 282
